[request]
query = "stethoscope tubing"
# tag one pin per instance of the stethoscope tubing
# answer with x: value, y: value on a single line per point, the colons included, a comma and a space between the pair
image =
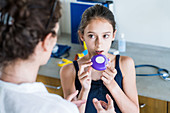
x: 164, y: 75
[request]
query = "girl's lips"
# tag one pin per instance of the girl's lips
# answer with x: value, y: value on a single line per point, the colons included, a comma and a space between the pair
x: 99, y: 52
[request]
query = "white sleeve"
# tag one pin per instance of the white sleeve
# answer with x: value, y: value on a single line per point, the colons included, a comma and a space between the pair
x: 60, y: 107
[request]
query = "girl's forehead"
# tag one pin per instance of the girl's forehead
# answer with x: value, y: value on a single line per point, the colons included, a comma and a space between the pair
x: 102, y: 25
x: 98, y: 19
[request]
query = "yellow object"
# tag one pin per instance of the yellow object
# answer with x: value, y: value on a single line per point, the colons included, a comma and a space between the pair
x: 64, y: 62
x: 84, y: 44
x: 78, y: 55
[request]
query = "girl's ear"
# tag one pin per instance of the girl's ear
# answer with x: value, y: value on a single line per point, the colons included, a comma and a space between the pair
x: 80, y: 35
x: 114, y: 34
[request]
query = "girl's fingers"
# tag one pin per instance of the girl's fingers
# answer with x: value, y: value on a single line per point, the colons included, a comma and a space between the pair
x: 110, y: 101
x: 89, y: 69
x: 111, y: 71
x: 86, y: 64
x: 97, y: 105
x: 105, y: 80
x: 104, y: 104
x: 83, y: 66
x: 115, y: 71
x: 85, y: 78
x: 107, y: 76
x: 84, y: 74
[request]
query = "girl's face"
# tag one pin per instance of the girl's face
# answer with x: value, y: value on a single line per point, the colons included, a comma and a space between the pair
x: 98, y: 36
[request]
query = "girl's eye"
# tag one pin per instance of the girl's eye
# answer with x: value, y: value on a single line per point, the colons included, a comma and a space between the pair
x: 106, y: 36
x: 91, y: 36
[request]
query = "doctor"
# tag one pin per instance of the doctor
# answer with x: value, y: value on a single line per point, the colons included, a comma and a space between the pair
x: 28, y: 33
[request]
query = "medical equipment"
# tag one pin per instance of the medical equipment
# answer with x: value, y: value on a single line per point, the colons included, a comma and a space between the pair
x: 99, y: 62
x: 163, y: 73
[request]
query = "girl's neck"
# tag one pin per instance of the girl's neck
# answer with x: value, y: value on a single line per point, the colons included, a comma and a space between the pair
x: 20, y: 72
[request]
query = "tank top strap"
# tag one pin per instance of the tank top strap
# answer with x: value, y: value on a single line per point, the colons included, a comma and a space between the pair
x: 117, y: 62
x: 76, y: 66
x: 77, y: 82
x: 119, y: 76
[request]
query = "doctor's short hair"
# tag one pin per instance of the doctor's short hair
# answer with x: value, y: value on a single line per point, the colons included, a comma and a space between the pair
x: 95, y: 12
x: 23, y: 24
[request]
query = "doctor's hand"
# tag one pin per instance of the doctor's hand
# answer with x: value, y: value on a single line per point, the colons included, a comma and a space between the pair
x: 103, y: 107
x: 84, y: 75
x: 77, y: 102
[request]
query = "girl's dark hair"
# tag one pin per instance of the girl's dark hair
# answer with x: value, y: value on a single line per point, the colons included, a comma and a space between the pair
x: 24, y: 26
x: 94, y: 12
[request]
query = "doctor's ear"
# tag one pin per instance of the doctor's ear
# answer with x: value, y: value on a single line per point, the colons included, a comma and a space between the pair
x: 80, y: 35
x: 49, y: 42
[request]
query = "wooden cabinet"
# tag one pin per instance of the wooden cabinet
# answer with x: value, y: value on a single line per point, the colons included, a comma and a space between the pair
x: 168, y: 107
x: 150, y: 105
x: 147, y: 105
x: 53, y: 85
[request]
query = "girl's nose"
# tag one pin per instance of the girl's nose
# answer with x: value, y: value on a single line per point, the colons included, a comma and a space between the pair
x: 99, y: 41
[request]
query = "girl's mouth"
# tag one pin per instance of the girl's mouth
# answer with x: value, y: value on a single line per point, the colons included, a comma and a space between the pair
x: 99, y: 52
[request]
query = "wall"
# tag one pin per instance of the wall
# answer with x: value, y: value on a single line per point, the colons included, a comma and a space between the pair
x: 142, y: 21
x: 65, y: 19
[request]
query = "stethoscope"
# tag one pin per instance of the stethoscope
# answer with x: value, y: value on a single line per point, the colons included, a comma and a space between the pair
x: 163, y: 73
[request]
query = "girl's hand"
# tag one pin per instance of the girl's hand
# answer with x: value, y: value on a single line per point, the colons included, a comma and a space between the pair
x: 103, y: 107
x: 108, y: 76
x: 84, y: 75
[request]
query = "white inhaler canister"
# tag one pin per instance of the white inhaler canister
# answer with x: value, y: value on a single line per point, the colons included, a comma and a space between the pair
x: 122, y: 43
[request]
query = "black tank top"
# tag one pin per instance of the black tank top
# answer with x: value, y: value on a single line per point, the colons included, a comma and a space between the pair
x: 98, y: 89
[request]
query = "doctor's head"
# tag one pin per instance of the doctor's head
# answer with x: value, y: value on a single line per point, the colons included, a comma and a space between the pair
x: 25, y: 24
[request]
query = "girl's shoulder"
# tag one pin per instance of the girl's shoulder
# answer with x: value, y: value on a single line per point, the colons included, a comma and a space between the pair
x: 126, y: 64
x: 126, y: 60
x: 122, y: 59
x: 67, y: 71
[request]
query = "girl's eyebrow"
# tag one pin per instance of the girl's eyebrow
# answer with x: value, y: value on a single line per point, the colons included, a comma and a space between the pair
x: 107, y: 32
x: 103, y: 32
x: 90, y: 32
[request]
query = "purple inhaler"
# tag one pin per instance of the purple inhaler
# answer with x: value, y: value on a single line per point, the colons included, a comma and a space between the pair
x: 99, y: 62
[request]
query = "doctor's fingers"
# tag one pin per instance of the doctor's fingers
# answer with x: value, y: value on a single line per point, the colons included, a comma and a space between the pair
x: 71, y: 96
x: 79, y: 102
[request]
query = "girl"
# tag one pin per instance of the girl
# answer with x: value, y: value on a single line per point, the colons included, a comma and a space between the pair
x: 97, y: 29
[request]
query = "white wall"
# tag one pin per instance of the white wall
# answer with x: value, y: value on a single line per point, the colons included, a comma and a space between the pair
x: 65, y: 19
x: 144, y: 21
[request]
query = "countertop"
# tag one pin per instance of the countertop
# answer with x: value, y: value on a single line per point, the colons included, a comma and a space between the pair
x: 150, y: 86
